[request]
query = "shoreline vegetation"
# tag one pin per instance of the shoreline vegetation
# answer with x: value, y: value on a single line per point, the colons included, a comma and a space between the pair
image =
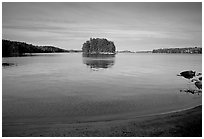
x: 190, y: 50
x: 93, y: 46
x: 185, y: 123
x: 187, y: 50
x: 15, y: 48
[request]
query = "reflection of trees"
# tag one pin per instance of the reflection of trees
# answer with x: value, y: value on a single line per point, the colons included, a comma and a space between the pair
x: 98, y: 61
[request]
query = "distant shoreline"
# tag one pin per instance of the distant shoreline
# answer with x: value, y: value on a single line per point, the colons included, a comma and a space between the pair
x: 16, y: 48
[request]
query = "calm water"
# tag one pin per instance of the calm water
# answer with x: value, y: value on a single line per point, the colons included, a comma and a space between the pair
x: 72, y: 88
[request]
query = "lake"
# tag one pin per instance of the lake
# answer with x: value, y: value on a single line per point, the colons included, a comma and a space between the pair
x: 70, y: 87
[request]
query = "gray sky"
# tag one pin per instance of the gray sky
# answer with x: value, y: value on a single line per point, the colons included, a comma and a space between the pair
x: 132, y: 26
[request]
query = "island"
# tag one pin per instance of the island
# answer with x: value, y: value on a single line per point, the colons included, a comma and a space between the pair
x: 98, y: 46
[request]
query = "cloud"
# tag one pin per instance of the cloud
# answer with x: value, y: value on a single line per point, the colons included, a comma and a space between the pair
x: 137, y: 24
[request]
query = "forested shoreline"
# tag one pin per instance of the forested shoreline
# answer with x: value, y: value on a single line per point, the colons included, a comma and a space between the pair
x: 189, y: 50
x: 92, y: 46
x: 15, y: 48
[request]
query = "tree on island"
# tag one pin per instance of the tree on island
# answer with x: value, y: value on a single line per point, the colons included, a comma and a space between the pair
x: 98, y: 46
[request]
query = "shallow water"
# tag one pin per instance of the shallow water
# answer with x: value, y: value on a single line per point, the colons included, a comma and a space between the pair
x: 71, y: 88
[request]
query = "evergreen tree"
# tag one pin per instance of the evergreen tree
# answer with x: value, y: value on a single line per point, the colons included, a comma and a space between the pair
x: 97, y: 45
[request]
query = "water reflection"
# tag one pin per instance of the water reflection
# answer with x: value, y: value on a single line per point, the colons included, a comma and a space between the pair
x: 6, y: 65
x: 98, y: 61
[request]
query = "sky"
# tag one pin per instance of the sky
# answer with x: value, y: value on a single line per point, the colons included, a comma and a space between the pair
x: 131, y: 26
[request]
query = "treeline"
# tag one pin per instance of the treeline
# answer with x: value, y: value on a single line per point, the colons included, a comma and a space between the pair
x: 98, y: 46
x: 191, y: 50
x: 14, y: 48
